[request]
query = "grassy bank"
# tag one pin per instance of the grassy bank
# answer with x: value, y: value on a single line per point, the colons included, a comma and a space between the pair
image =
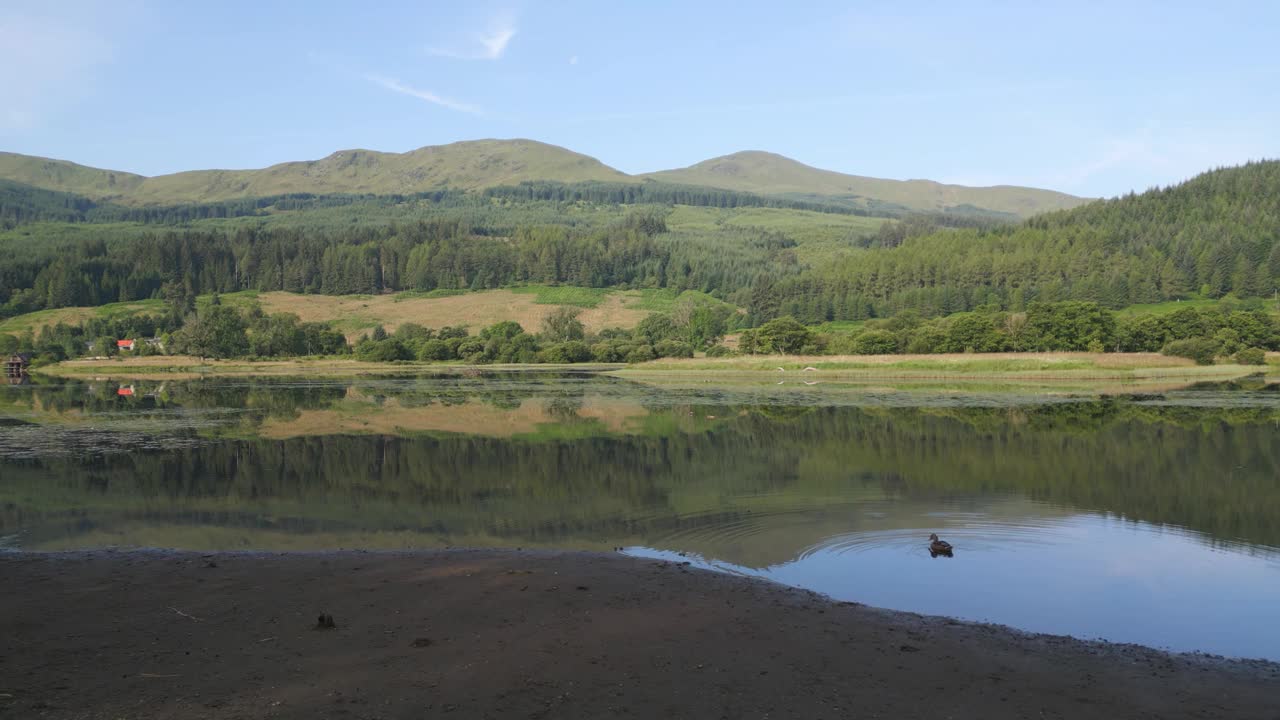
x: 1012, y: 366
x: 994, y: 367
x: 181, y: 367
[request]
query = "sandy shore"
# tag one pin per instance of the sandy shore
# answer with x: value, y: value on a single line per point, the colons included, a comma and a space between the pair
x: 494, y: 634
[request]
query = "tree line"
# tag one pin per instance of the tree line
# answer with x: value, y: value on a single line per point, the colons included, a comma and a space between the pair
x: 1203, y: 334
x: 695, y: 325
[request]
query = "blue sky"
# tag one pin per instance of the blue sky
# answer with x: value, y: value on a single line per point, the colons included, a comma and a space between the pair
x: 1089, y: 98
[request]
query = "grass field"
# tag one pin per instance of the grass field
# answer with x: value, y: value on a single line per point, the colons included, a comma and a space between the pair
x: 817, y: 235
x: 994, y: 367
x: 357, y: 315
x: 1199, y: 303
x: 1022, y: 366
x: 182, y: 367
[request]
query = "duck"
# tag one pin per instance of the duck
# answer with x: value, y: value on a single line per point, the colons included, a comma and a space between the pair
x: 938, y: 547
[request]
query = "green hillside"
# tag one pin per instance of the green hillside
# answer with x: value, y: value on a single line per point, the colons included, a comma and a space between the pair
x: 482, y: 164
x: 767, y: 173
x: 464, y: 165
x: 66, y: 176
x: 1217, y: 234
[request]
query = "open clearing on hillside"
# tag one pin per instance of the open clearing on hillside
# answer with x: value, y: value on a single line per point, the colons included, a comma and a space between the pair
x: 113, y: 311
x: 357, y: 315
x: 76, y: 315
x: 817, y: 235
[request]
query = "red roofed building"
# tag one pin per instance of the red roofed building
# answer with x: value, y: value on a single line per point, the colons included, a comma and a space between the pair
x: 124, y: 344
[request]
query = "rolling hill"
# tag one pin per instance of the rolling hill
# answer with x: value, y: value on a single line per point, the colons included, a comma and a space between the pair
x: 67, y: 177
x: 480, y: 164
x: 771, y: 174
x: 465, y: 165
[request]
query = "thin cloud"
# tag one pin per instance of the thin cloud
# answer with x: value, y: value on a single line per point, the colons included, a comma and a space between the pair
x: 396, y: 86
x: 490, y: 44
x: 573, y: 60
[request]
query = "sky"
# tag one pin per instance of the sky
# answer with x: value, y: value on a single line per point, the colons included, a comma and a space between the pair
x: 1091, y: 98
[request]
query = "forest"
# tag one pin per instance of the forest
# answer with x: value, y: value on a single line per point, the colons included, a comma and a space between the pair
x: 1213, y: 236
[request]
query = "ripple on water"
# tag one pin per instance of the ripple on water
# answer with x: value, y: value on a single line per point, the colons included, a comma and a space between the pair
x: 27, y: 442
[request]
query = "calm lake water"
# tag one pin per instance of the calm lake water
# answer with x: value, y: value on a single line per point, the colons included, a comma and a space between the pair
x: 1151, y: 518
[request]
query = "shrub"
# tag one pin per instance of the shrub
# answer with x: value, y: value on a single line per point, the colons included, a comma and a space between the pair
x: 434, y: 350
x: 611, y: 351
x: 674, y: 348
x: 387, y: 350
x: 927, y: 339
x: 785, y: 335
x: 655, y: 328
x: 1251, y: 356
x: 716, y: 351
x: 470, y: 348
x: 573, y: 351
x: 876, y: 342
x: 1202, y: 350
x: 563, y: 325
x: 504, y: 330
x: 642, y: 353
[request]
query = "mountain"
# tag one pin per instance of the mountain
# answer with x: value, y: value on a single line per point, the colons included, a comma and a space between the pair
x: 480, y: 164
x: 771, y: 174
x: 464, y: 165
x: 64, y: 176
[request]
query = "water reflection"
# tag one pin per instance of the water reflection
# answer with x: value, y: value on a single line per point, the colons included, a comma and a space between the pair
x: 1152, y: 518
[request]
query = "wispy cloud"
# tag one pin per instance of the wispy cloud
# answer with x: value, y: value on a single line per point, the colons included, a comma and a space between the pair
x: 396, y: 86
x: 490, y: 44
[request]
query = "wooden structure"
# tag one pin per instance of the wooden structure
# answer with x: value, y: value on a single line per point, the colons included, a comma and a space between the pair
x: 16, y: 365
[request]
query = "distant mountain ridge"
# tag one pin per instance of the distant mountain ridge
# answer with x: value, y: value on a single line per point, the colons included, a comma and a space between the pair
x: 773, y: 174
x: 480, y: 164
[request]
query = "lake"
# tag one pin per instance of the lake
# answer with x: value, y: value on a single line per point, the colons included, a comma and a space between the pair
x: 1149, y: 517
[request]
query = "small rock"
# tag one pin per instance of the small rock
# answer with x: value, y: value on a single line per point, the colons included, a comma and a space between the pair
x: 325, y: 622
x: 422, y: 642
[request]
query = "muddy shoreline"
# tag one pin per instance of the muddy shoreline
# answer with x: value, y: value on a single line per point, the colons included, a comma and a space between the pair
x: 538, y: 634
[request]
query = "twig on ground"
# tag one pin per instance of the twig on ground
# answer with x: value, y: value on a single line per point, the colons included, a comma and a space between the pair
x: 153, y: 675
x: 191, y: 617
x: 267, y: 639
